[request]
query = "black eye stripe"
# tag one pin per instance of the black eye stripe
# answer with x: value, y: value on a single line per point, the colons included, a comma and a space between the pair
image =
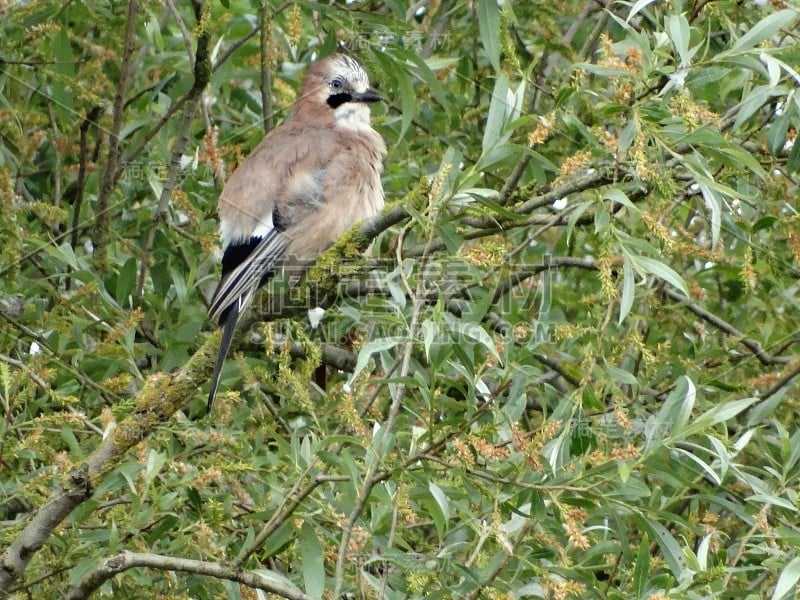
x: 336, y: 100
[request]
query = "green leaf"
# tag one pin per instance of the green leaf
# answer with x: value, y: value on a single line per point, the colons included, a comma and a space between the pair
x: 495, y: 120
x: 670, y: 549
x: 425, y: 69
x: 660, y: 270
x: 63, y: 253
x: 754, y: 100
x: 155, y: 461
x: 126, y: 281
x: 765, y: 222
x: 704, y: 466
x: 441, y: 499
x: 517, y: 402
x: 408, y: 97
x: 786, y: 586
x: 778, y: 133
x: 628, y: 285
x: 450, y: 236
x: 408, y: 100
x: 312, y: 560
x: 477, y: 333
x: 793, y: 162
x: 641, y: 569
x: 69, y: 437
x: 637, y: 8
x: 772, y: 500
x: 713, y: 203
x: 718, y: 414
x: 766, y: 27
x: 675, y: 413
x: 577, y: 213
x: 373, y: 347
x: 430, y: 330
x: 679, y: 33
x: 620, y: 197
x: 489, y: 28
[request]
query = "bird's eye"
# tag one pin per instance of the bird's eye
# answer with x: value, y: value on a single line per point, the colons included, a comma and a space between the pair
x: 336, y: 84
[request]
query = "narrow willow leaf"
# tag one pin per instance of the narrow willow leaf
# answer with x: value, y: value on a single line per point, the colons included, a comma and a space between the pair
x: 489, y: 28
x: 787, y: 581
x: 429, y: 331
x: 718, y: 414
x: 477, y: 333
x: 628, y: 285
x: 722, y: 455
x: 773, y: 68
x: 660, y: 270
x: 714, y: 205
x: 675, y: 413
x: 372, y: 347
x: 702, y: 552
x: 312, y: 559
x: 773, y: 500
x: 617, y: 195
x: 679, y: 33
x: 637, y: 8
x: 441, y: 499
x: 706, y: 468
x: 641, y: 569
x: 408, y: 100
x: 754, y: 100
x: 669, y: 547
x: 766, y: 27
x: 497, y: 114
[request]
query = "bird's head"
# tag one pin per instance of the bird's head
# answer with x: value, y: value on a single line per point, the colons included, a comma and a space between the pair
x: 337, y: 88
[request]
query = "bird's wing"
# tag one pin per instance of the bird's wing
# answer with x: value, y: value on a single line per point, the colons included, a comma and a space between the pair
x: 241, y: 283
x: 280, y: 182
x: 284, y: 170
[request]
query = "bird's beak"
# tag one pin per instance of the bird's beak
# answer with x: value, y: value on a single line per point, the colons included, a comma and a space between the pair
x: 369, y: 95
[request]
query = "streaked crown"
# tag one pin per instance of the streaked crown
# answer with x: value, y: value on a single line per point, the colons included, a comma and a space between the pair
x: 339, y: 83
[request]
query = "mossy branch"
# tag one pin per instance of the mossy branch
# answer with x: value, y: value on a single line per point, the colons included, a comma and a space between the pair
x: 161, y: 397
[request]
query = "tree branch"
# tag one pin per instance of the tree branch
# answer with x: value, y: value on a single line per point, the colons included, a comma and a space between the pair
x: 755, y: 347
x: 161, y: 397
x: 120, y: 563
x: 100, y: 236
x: 265, y: 41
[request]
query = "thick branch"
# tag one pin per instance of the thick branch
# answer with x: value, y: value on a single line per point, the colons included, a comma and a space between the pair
x: 120, y: 563
x: 161, y: 397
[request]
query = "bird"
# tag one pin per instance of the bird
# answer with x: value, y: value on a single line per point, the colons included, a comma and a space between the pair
x: 309, y: 180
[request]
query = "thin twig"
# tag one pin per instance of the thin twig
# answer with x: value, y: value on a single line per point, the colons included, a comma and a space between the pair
x: 80, y: 186
x: 290, y: 502
x: 755, y: 347
x: 23, y: 367
x: 372, y: 476
x: 501, y: 564
x: 783, y: 381
x: 187, y: 37
x: 265, y: 42
x: 102, y: 221
x: 161, y: 213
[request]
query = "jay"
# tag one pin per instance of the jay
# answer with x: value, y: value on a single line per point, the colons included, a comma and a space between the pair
x: 302, y: 187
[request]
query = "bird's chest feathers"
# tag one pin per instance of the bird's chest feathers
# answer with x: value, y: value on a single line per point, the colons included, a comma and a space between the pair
x: 353, y: 116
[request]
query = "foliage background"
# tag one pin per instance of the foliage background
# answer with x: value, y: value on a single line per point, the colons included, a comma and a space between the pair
x: 568, y: 370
